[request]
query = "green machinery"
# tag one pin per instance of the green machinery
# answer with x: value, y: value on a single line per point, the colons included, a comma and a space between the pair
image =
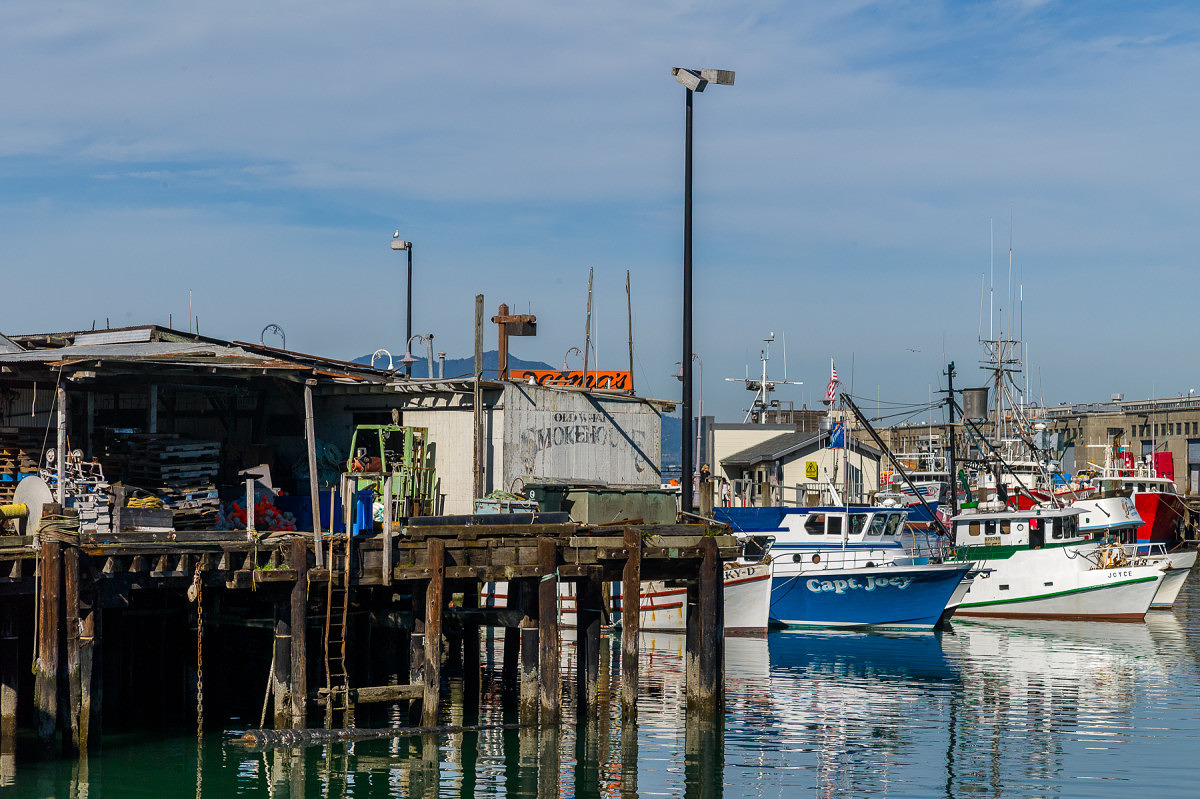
x: 380, y: 453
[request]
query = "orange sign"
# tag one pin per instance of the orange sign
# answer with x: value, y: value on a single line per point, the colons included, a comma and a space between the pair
x: 552, y: 377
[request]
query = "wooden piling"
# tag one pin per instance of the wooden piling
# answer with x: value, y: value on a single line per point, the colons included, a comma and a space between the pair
x: 281, y: 676
x: 705, y: 656
x: 434, y: 605
x: 416, y: 651
x: 314, y: 494
x: 9, y: 676
x: 45, y: 688
x: 299, y: 641
x: 472, y: 662
x: 71, y: 742
x: 548, y: 643
x: 631, y: 622
x: 90, y: 701
x: 526, y: 595
x: 587, y: 661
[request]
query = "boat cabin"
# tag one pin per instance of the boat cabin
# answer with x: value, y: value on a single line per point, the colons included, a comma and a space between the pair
x: 1033, y: 529
x: 857, y: 525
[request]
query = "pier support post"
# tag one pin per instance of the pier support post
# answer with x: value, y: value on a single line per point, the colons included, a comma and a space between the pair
x: 416, y: 650
x: 631, y: 623
x: 548, y: 643
x: 705, y: 657
x: 9, y: 675
x: 71, y: 742
x: 91, y: 697
x: 472, y: 663
x: 587, y: 661
x: 45, y: 688
x: 282, y: 674
x: 525, y: 592
x: 434, y: 605
x: 299, y: 642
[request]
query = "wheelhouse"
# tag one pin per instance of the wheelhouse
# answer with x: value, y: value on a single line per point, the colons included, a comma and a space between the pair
x: 1031, y: 529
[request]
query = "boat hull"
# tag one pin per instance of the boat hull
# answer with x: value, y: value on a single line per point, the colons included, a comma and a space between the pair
x: 1176, y: 575
x: 747, y: 594
x: 893, y: 597
x: 1163, y: 516
x: 1029, y: 590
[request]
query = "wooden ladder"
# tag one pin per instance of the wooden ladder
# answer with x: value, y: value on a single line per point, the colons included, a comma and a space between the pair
x: 337, y: 608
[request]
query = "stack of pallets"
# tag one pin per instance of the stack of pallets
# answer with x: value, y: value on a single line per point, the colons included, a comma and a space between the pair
x: 20, y: 450
x: 181, y: 471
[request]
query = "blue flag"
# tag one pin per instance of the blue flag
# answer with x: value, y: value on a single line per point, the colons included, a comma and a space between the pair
x: 837, y: 435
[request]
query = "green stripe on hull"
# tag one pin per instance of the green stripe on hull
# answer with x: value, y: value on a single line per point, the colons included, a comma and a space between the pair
x: 1054, y: 595
x: 983, y: 552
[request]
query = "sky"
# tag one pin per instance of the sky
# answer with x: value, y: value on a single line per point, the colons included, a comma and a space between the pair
x: 875, y: 166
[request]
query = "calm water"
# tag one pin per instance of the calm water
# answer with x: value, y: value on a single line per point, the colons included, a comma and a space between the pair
x: 1009, y: 709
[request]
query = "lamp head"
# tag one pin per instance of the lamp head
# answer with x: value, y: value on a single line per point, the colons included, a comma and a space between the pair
x: 689, y: 78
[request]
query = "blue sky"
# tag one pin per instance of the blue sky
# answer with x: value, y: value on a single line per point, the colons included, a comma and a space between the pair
x: 260, y: 155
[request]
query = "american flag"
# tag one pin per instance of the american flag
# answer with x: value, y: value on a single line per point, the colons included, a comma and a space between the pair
x: 831, y: 392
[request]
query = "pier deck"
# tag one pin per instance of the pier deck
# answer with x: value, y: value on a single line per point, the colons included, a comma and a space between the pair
x: 152, y: 596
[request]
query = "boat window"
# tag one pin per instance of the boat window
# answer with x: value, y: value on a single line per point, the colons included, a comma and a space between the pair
x: 1071, y: 527
x: 815, y: 524
x: 834, y: 525
x: 1056, y: 527
x: 1004, y: 526
x: 857, y: 522
x: 877, y: 523
x: 989, y: 527
x: 894, y: 522
x: 974, y: 528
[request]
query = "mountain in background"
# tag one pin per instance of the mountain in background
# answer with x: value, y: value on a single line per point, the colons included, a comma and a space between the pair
x: 672, y: 442
x: 672, y: 426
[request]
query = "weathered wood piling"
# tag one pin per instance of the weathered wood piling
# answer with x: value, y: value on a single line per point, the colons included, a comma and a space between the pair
x: 414, y: 590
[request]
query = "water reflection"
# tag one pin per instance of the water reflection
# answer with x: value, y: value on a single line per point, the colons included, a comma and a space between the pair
x: 998, y: 708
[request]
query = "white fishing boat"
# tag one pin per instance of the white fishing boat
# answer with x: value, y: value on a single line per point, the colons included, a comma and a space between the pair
x: 1111, y: 513
x: 747, y: 595
x: 1037, y: 564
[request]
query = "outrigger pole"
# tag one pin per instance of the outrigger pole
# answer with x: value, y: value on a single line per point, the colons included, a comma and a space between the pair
x: 942, y: 529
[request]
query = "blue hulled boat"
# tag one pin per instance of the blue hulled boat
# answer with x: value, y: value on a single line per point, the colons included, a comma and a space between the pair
x: 853, y: 566
x: 911, y: 597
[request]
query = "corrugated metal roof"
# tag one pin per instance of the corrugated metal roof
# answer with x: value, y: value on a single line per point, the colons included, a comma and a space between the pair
x: 7, y: 345
x: 779, y: 447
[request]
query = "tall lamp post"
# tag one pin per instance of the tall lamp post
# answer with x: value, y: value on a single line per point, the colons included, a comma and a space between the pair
x: 699, y: 412
x: 397, y: 244
x: 693, y: 80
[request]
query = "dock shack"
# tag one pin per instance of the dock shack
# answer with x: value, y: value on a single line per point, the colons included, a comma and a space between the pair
x: 195, y: 522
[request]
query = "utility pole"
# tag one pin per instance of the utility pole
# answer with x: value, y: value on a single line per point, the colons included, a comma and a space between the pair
x: 953, y: 467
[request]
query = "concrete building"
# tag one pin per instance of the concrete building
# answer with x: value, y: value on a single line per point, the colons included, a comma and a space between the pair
x: 772, y: 464
x: 1077, y: 434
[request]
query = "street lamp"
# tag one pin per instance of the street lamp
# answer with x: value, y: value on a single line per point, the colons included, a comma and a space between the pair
x: 699, y: 411
x: 408, y: 360
x: 575, y: 350
x: 693, y: 80
x: 397, y: 244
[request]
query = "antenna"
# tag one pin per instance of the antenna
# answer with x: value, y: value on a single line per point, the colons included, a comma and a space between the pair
x: 992, y: 284
x: 1010, y: 259
x: 763, y: 386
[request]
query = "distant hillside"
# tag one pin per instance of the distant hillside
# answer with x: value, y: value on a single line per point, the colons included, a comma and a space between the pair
x: 672, y: 441
x: 456, y: 367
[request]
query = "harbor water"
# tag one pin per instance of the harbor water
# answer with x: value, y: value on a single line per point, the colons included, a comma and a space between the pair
x: 1012, y: 709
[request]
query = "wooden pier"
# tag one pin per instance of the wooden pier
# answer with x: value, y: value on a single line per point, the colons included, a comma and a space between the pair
x: 134, y: 630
